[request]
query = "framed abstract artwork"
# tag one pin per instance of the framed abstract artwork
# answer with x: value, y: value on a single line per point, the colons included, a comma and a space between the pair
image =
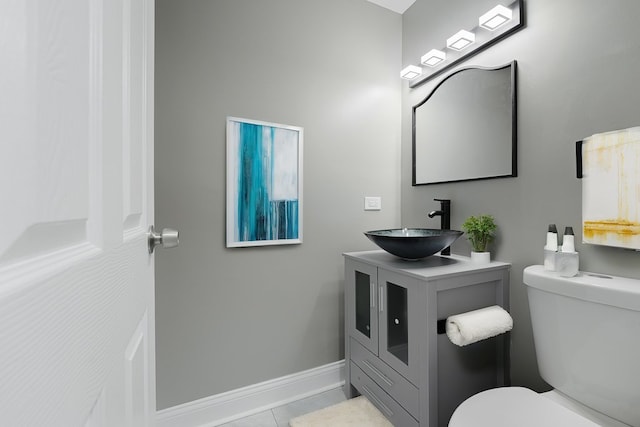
x: 264, y: 183
x: 609, y: 165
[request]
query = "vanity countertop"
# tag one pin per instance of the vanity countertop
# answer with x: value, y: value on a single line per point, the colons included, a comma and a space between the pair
x: 435, y: 266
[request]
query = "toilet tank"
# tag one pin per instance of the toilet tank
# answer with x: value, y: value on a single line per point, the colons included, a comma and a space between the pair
x: 586, y: 331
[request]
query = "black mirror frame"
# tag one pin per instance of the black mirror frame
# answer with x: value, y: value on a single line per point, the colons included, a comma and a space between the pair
x: 514, y: 127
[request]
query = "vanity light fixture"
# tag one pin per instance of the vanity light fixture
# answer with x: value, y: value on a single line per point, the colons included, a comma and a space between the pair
x: 433, y: 57
x: 495, y: 18
x: 505, y: 18
x: 461, y: 40
x: 410, y: 72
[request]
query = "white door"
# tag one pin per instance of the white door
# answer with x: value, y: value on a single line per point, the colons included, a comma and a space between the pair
x: 76, y: 199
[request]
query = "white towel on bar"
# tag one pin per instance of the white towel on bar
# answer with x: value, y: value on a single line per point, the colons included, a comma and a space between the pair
x: 477, y: 325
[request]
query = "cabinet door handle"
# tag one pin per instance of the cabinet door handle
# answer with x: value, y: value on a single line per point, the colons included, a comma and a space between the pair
x: 378, y: 402
x: 381, y: 298
x: 372, y: 294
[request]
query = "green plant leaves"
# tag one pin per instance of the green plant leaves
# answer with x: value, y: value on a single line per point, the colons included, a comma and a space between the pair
x: 480, y: 231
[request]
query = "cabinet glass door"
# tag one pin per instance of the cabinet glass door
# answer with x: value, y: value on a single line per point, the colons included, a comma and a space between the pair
x: 361, y: 298
x: 397, y: 326
x: 399, y: 314
x: 363, y: 303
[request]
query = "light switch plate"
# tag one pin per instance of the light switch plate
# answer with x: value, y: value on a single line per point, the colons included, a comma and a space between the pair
x: 372, y: 203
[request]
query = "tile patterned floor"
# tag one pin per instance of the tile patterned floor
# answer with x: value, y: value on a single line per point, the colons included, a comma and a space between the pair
x: 280, y: 416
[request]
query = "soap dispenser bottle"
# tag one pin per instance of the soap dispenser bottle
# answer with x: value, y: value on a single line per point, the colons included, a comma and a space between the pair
x: 551, y: 248
x: 552, y: 238
x: 567, y: 262
x: 568, y: 240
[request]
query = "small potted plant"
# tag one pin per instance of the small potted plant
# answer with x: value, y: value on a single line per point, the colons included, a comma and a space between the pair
x: 480, y: 231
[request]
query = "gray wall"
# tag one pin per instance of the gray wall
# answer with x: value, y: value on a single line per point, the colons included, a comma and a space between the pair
x: 578, y: 62
x: 228, y: 318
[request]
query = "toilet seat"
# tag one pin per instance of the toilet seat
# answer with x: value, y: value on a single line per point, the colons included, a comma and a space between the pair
x: 514, y: 406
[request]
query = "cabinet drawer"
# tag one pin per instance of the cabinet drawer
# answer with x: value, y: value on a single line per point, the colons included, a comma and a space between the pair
x: 381, y: 400
x: 388, y: 379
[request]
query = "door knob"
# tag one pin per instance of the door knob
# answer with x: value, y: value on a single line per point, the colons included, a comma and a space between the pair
x: 168, y: 238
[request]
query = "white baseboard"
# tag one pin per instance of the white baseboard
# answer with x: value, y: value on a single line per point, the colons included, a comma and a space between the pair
x: 232, y: 405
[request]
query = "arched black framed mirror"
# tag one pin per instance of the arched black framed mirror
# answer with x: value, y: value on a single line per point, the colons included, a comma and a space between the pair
x: 465, y: 129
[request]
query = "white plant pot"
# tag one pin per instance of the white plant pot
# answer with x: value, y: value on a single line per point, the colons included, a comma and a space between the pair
x: 480, y: 257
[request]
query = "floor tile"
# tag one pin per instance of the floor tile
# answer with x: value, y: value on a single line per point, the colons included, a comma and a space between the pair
x: 262, y: 419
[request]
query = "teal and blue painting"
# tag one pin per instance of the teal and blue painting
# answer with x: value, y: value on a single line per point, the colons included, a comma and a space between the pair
x: 263, y: 182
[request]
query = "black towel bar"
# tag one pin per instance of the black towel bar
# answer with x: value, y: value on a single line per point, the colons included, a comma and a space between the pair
x: 579, y: 159
x: 441, y: 326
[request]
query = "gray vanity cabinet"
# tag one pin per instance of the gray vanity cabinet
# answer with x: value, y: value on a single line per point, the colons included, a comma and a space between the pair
x: 394, y: 354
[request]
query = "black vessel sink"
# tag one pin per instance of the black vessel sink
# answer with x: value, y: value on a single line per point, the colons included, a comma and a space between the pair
x: 413, y: 243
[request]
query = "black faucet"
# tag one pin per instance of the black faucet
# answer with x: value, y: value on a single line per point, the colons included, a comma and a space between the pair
x: 445, y: 219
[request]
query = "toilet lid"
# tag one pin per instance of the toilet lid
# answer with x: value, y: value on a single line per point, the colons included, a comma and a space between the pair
x: 514, y: 406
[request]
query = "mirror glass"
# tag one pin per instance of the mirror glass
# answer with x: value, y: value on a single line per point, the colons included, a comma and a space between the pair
x: 465, y: 129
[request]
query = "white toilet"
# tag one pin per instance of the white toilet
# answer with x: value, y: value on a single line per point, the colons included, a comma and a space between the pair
x: 586, y: 331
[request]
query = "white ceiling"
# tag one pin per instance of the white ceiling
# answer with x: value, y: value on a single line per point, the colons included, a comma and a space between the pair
x: 398, y: 6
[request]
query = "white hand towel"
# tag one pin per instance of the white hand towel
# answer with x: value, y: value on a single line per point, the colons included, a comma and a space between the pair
x: 477, y: 325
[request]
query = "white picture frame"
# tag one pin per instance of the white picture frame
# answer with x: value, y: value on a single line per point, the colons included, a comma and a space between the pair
x: 264, y: 183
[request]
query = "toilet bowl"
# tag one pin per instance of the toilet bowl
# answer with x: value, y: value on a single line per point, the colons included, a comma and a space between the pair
x: 585, y: 332
x: 521, y: 407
